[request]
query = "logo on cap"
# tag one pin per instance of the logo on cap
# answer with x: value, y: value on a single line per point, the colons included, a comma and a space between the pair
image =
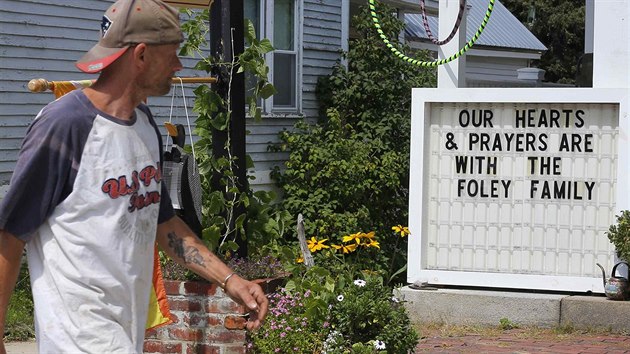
x: 106, y: 23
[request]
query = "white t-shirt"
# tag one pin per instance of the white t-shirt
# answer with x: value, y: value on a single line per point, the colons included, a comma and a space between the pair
x: 87, y: 197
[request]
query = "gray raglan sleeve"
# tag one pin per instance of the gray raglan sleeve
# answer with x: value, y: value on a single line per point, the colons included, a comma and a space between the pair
x: 44, y: 173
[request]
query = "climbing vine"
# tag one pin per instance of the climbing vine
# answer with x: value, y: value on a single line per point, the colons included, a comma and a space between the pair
x: 232, y: 211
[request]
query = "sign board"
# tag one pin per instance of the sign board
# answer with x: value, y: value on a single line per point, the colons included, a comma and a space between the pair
x: 190, y: 3
x: 515, y: 188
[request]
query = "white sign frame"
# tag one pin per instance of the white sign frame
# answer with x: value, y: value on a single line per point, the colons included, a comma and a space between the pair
x: 422, y: 99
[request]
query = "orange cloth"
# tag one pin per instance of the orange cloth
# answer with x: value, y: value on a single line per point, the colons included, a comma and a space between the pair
x: 159, y: 312
x: 60, y: 88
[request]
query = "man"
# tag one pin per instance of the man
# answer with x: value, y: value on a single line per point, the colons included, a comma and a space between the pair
x: 86, y: 197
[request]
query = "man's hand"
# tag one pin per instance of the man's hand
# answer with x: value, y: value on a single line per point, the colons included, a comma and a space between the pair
x: 251, y: 296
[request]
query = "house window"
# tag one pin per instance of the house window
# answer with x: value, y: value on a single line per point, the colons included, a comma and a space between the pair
x: 277, y: 21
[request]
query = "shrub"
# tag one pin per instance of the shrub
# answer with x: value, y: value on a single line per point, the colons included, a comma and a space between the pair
x: 619, y: 235
x: 360, y: 252
x: 367, y: 314
x: 287, y: 328
x: 361, y: 317
x: 350, y: 170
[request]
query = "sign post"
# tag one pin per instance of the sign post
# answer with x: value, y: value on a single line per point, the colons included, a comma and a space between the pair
x: 515, y: 188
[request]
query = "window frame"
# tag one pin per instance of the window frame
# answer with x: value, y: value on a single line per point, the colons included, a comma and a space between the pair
x: 267, y: 22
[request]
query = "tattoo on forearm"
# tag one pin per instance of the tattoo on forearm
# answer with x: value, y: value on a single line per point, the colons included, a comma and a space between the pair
x: 188, y: 254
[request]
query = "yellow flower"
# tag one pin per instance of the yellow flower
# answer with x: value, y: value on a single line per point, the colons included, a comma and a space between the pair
x: 314, y: 245
x: 346, y: 248
x: 402, y: 230
x: 373, y: 243
x: 369, y: 235
x: 299, y: 260
x: 354, y: 237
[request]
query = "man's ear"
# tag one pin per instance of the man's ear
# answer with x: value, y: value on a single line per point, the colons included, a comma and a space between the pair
x: 139, y: 54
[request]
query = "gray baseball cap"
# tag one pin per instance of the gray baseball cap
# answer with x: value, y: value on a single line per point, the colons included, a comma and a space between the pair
x: 129, y: 22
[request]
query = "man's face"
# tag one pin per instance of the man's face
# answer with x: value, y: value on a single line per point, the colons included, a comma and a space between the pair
x: 163, y: 63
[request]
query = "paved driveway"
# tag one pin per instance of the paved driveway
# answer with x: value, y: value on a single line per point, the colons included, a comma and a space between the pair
x: 21, y: 348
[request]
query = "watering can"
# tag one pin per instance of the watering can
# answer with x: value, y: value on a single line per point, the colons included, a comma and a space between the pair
x: 615, y: 288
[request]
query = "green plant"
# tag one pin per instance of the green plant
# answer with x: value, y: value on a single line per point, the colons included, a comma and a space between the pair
x: 288, y: 329
x: 19, y: 324
x: 233, y: 211
x: 505, y: 324
x: 619, y: 235
x: 350, y: 171
x: 564, y: 328
x: 562, y: 35
x: 366, y: 312
x: 256, y: 267
x: 361, y: 316
x: 358, y: 253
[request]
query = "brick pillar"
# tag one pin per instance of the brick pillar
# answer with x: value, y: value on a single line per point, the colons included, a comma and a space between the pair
x: 206, y: 321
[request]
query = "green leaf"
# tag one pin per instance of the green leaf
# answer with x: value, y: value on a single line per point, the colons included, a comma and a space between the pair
x: 229, y: 246
x: 267, y: 91
x: 250, y: 31
x: 216, y: 202
x: 266, y: 46
x: 239, y: 223
x: 399, y: 271
x: 265, y: 197
x: 290, y: 285
x: 220, y: 121
x: 212, y: 235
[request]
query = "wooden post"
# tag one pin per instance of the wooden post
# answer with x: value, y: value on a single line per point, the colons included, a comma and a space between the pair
x: 306, y: 253
x: 227, y: 41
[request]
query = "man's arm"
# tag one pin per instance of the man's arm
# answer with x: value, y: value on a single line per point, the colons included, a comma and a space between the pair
x: 184, y: 247
x: 11, y: 249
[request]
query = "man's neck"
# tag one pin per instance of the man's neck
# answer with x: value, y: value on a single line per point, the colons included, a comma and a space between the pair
x: 119, y: 103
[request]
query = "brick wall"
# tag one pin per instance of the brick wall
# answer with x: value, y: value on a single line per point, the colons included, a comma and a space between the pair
x: 206, y: 321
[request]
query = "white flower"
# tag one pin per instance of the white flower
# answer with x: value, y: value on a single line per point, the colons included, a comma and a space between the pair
x: 359, y: 283
x: 379, y: 345
x: 340, y: 298
x: 330, y: 344
x: 395, y: 299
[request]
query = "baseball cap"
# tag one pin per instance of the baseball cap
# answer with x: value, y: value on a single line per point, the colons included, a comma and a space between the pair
x: 129, y: 22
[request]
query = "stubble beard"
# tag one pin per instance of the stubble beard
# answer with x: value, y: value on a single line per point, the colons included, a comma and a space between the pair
x: 159, y: 88
x: 164, y: 88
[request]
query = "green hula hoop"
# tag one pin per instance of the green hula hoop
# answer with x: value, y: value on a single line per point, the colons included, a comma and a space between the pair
x: 404, y: 57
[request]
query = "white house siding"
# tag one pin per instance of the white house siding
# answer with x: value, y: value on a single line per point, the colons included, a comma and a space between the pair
x: 493, y: 68
x: 37, y: 39
x: 321, y: 47
x: 43, y: 39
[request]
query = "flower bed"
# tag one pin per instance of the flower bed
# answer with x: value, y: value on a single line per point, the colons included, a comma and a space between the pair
x: 362, y: 318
